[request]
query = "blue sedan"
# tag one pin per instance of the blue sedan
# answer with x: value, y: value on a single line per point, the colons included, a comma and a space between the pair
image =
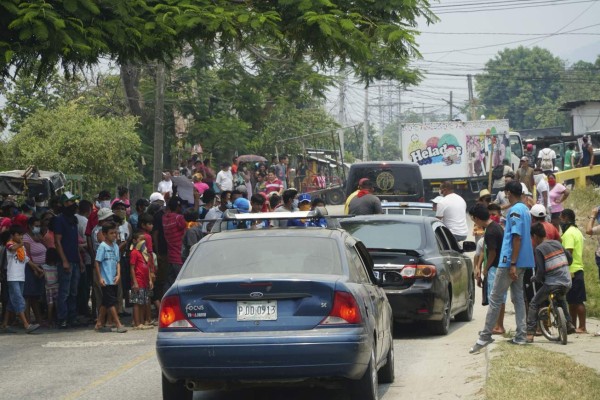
x: 276, y: 306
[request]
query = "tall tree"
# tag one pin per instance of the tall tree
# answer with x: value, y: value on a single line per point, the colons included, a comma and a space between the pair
x: 518, y: 83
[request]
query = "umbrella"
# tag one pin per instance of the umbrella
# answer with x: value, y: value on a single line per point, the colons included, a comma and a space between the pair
x: 251, y: 158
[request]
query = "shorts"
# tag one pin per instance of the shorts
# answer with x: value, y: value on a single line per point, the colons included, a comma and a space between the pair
x: 109, y: 296
x: 139, y: 296
x: 51, y: 294
x: 16, y: 301
x: 491, y: 276
x: 577, y: 293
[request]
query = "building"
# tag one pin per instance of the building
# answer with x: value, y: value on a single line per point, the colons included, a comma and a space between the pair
x: 585, y: 115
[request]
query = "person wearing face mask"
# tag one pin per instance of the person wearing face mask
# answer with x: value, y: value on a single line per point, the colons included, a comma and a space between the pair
x: 124, y: 232
x: 217, y: 211
x: 34, y: 274
x: 558, y: 194
x: 542, y: 189
x: 524, y: 173
x: 102, y: 201
x: 65, y: 228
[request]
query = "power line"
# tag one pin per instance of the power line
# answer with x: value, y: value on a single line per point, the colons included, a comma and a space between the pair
x: 510, y: 7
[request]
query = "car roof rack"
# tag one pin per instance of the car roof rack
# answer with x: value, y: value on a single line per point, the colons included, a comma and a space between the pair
x: 318, y: 213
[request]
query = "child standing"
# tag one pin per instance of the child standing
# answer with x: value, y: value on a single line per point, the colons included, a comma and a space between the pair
x: 146, y: 225
x: 15, y: 270
x: 107, y: 269
x: 51, y: 276
x: 140, y: 279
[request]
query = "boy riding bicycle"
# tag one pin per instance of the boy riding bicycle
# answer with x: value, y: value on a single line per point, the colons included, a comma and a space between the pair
x: 552, y: 271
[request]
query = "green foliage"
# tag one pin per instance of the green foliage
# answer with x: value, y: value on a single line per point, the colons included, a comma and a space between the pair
x: 70, y: 139
x: 518, y: 82
x: 376, y: 39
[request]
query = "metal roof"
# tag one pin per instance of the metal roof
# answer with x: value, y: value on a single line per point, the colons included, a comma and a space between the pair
x: 569, y: 105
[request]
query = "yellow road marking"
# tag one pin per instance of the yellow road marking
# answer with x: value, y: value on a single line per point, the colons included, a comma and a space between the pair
x: 111, y: 375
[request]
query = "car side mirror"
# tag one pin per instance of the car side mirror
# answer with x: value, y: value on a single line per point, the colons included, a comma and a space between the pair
x: 468, y: 246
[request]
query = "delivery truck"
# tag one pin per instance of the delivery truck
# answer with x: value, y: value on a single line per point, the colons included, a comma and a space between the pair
x: 464, y: 153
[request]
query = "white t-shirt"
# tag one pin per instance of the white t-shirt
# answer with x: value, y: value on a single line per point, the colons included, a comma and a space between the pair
x: 213, y: 213
x: 15, y: 269
x: 453, y: 211
x: 81, y: 225
x: 165, y: 187
x: 225, y: 180
x: 541, y: 187
x: 546, y: 156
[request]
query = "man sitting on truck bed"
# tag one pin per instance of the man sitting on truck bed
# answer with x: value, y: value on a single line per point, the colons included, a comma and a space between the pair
x: 452, y: 210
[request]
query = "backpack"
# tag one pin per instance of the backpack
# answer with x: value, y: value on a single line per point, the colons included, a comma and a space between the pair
x: 546, y: 163
x: 498, y: 172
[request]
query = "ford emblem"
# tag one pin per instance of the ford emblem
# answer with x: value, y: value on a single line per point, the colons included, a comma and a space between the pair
x: 256, y: 295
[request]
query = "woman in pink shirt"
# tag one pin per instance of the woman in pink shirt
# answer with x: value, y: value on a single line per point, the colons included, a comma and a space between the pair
x: 558, y: 194
x: 34, y: 274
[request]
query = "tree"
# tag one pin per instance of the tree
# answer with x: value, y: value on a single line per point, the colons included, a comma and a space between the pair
x: 376, y: 39
x: 70, y: 139
x: 518, y: 83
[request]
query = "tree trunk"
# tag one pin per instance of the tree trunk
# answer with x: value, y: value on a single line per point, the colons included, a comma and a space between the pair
x: 159, y: 111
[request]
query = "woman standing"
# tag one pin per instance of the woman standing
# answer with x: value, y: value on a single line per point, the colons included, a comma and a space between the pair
x: 558, y: 194
x: 34, y: 274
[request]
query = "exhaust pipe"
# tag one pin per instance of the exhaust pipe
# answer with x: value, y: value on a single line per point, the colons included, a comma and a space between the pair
x: 191, y: 385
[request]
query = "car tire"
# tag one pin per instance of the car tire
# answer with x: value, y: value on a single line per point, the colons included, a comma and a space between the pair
x: 386, y: 373
x: 175, y: 390
x: 442, y: 326
x: 467, y: 315
x: 335, y: 197
x: 367, y: 387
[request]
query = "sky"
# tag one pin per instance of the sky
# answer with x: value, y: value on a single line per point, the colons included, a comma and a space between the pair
x: 469, y: 33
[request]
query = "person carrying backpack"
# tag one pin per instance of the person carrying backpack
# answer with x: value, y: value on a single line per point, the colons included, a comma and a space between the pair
x: 547, y: 159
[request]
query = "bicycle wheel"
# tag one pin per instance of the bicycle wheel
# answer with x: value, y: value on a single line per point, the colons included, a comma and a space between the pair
x: 547, y: 324
x: 561, y: 321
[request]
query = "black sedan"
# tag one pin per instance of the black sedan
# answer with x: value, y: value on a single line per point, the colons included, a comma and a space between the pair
x: 423, y: 270
x: 276, y: 306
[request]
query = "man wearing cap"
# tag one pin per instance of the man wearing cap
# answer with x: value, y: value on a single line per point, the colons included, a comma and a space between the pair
x: 102, y: 201
x: 353, y: 195
x: 65, y: 227
x: 524, y: 173
x: 538, y: 214
x: 365, y: 202
x: 165, y: 187
x: 516, y: 256
x: 452, y: 210
x: 530, y: 155
x: 542, y: 189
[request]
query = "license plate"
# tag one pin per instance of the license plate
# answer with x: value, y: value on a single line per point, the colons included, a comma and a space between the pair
x: 265, y: 310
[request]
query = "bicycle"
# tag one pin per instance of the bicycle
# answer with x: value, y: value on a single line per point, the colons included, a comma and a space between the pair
x: 551, y: 318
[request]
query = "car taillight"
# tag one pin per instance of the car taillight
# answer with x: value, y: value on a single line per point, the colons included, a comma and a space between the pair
x: 170, y: 315
x: 345, y: 310
x: 418, y: 271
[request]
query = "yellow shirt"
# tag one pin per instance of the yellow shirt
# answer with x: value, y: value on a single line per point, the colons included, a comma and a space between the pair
x: 348, y: 200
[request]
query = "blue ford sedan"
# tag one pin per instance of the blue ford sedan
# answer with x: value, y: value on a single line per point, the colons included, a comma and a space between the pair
x: 274, y: 307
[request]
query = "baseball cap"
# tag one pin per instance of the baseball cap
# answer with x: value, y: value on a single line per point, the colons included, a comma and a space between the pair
x: 538, y: 210
x: 68, y: 196
x: 142, y: 203
x: 362, y: 180
x: 304, y: 197
x: 104, y: 213
x: 156, y: 197
x: 118, y: 202
x: 242, y: 205
x: 437, y: 199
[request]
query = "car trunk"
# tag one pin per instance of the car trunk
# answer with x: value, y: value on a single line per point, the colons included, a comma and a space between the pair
x: 386, y: 261
x: 251, y: 304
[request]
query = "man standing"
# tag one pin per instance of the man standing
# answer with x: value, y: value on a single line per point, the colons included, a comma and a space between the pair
x: 66, y: 240
x: 174, y: 227
x: 546, y: 159
x: 365, y: 202
x: 225, y: 178
x: 587, y: 154
x: 525, y: 173
x: 572, y: 241
x: 281, y: 170
x: 452, y: 210
x: 165, y: 187
x: 542, y: 188
x: 515, y: 257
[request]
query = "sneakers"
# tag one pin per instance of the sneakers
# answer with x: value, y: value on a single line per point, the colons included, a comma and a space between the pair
x: 571, y: 329
x: 480, y: 345
x: 32, y: 328
x: 518, y: 342
x: 120, y: 329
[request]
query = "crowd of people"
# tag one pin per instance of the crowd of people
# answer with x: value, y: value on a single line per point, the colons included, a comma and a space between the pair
x: 77, y: 262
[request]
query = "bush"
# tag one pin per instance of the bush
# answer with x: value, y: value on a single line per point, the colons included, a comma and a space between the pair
x: 582, y: 201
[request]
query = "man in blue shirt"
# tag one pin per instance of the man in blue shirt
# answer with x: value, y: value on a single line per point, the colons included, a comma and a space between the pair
x: 515, y: 257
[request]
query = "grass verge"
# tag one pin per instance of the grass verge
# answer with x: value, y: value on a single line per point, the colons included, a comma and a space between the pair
x: 530, y: 372
x: 582, y: 201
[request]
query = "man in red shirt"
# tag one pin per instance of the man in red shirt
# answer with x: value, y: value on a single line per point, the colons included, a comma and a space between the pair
x: 174, y: 227
x: 538, y: 214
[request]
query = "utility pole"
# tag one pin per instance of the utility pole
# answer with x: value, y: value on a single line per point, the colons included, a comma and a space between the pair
x: 342, y: 113
x: 423, y: 112
x: 400, y: 117
x: 381, y: 123
x: 159, y: 112
x: 365, y: 147
x: 451, y: 112
x: 471, y: 98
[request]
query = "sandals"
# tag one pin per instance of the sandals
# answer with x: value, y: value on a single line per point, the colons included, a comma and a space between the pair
x: 120, y: 329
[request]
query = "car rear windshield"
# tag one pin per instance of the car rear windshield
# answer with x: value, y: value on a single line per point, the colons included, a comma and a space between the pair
x: 264, y: 255
x: 387, y: 234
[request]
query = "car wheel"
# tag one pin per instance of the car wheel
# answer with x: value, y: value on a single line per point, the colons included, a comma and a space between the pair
x: 442, y: 326
x: 175, y: 390
x: 335, y: 197
x: 467, y: 315
x: 386, y: 373
x: 367, y: 387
